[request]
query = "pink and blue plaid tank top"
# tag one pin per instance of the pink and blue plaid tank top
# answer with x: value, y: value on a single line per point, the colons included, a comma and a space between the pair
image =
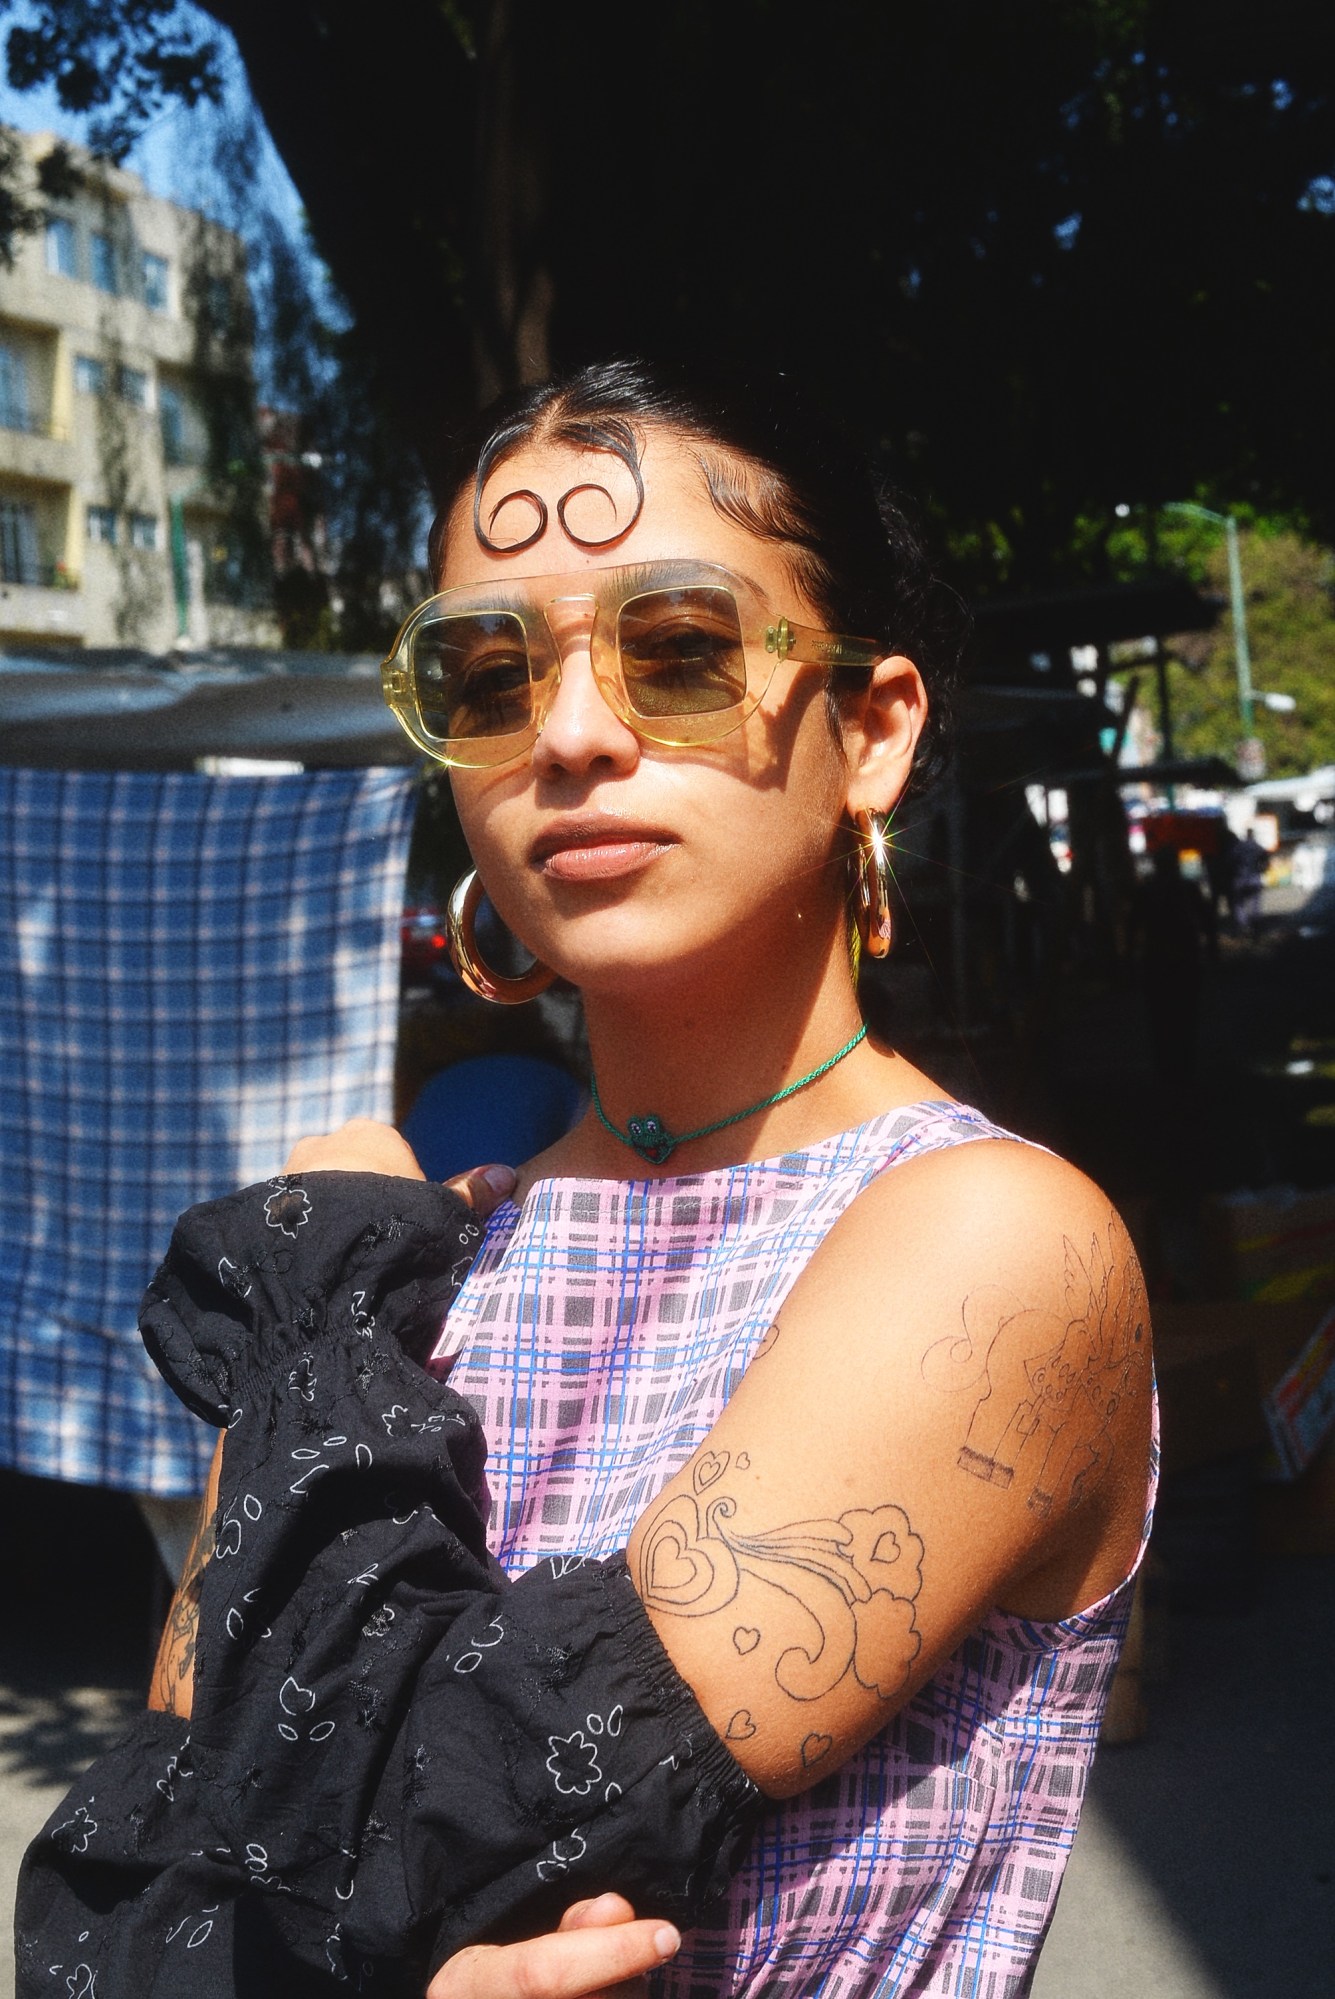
x: 599, y: 1334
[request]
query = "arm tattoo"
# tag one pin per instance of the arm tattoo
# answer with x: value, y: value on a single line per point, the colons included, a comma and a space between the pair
x: 1045, y: 1386
x: 174, y: 1668
x: 842, y: 1590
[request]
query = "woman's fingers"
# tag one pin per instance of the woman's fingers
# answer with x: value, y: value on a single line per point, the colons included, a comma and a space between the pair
x: 600, y: 1912
x: 363, y: 1146
x: 360, y: 1146
x: 598, y: 1949
x: 603, y: 1912
x: 484, y: 1188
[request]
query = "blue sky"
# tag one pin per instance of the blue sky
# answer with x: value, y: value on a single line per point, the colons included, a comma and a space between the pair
x: 174, y: 156
x: 175, y: 159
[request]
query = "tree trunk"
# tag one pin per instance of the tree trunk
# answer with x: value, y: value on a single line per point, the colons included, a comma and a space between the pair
x: 467, y: 313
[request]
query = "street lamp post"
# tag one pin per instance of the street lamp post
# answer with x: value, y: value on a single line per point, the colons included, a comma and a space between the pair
x: 1242, y: 654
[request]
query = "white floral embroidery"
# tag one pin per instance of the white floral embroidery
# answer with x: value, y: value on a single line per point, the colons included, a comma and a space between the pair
x: 80, y: 1828
x: 563, y: 1855
x: 573, y: 1762
x: 288, y: 1208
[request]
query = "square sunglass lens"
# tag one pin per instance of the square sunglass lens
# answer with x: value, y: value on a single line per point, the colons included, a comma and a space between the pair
x: 471, y: 676
x: 681, y: 651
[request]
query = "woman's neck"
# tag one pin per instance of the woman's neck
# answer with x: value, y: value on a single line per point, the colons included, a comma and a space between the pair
x: 701, y: 1049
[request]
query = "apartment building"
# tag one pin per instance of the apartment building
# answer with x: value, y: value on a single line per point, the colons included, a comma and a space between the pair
x: 129, y: 504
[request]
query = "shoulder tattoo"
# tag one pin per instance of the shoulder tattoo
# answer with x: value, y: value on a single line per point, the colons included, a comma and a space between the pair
x: 1043, y: 1385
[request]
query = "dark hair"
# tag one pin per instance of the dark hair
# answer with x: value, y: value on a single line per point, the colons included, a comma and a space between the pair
x: 778, y: 467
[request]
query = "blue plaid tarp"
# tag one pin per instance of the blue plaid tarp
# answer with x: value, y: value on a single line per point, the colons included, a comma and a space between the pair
x: 194, y: 972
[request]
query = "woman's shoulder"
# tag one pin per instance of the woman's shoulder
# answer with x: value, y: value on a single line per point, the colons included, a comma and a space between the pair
x: 988, y: 1303
x: 970, y: 1185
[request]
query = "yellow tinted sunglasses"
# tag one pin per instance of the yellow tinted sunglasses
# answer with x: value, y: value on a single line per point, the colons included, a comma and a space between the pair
x: 682, y: 652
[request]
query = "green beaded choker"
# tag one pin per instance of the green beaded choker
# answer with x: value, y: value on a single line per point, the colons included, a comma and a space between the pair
x: 649, y: 1136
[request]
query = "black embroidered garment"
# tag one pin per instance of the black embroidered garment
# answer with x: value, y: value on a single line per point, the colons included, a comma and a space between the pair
x: 393, y: 1750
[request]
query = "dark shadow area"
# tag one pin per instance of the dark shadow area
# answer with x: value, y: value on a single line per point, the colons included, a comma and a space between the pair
x: 80, y: 1580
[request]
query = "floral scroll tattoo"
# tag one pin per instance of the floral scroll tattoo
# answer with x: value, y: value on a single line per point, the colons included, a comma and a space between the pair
x: 174, y: 1668
x: 853, y: 1582
x: 1045, y: 1386
x: 609, y: 435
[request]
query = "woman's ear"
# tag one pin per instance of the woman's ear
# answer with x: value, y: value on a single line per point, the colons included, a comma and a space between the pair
x: 881, y: 727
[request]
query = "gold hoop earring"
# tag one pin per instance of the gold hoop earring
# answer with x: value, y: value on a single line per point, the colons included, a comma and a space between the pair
x: 476, y: 973
x: 871, y: 884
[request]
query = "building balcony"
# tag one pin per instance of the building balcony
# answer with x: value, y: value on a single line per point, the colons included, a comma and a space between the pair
x: 32, y: 447
x: 30, y: 423
x: 42, y: 602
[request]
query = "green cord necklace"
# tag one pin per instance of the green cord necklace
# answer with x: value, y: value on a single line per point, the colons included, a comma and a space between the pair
x: 650, y: 1137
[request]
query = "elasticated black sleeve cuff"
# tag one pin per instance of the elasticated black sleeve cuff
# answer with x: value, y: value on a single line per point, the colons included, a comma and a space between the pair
x: 342, y: 1255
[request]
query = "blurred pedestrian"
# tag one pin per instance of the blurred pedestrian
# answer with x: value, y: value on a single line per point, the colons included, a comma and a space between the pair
x: 1171, y: 926
x: 1247, y: 863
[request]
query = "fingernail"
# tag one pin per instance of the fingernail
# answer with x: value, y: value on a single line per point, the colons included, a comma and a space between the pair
x: 667, y: 1941
x: 500, y: 1179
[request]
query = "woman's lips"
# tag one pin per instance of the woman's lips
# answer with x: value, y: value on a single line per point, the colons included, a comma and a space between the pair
x: 601, y: 860
x: 597, y: 848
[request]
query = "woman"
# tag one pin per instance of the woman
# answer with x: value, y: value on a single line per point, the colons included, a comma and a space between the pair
x: 878, y: 1442
x: 960, y: 1385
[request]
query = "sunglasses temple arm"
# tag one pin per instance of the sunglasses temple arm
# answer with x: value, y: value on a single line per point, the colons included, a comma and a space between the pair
x: 809, y: 646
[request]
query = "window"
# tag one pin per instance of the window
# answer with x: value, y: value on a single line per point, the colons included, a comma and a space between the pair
x: 90, y: 375
x: 18, y: 543
x: 60, y: 248
x: 103, y: 256
x: 13, y: 390
x: 133, y: 386
x: 102, y: 525
x: 171, y: 415
x: 154, y: 270
x: 143, y: 530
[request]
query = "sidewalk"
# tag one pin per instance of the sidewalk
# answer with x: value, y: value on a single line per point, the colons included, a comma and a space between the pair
x: 1205, y: 1864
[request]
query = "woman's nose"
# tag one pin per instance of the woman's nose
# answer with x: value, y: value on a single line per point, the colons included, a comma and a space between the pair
x: 579, y: 729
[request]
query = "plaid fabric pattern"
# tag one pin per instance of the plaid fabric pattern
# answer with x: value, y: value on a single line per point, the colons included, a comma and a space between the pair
x: 599, y: 1335
x: 194, y: 972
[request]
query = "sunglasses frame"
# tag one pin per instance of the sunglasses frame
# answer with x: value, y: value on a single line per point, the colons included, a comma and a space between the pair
x: 766, y: 642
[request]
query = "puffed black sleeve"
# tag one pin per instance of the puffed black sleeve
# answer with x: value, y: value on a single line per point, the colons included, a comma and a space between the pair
x: 393, y: 1751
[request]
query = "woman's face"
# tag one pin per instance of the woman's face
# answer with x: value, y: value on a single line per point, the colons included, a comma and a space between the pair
x: 616, y: 860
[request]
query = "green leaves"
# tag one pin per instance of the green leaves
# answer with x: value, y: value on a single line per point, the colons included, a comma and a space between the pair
x: 122, y: 63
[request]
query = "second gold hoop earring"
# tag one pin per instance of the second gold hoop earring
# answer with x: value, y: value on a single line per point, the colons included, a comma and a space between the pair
x: 871, y: 884
x: 472, y: 967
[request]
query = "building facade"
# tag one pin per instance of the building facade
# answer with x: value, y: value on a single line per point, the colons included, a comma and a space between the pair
x: 131, y: 480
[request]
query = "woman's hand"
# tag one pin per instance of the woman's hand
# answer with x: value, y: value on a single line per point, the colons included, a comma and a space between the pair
x: 364, y: 1146
x: 600, y: 1951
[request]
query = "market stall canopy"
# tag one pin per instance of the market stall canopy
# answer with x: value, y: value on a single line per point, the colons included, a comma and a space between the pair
x: 1101, y: 615
x: 132, y: 711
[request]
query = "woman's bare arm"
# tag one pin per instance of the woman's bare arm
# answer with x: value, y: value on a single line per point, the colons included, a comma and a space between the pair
x: 952, y: 1416
x: 171, y: 1688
